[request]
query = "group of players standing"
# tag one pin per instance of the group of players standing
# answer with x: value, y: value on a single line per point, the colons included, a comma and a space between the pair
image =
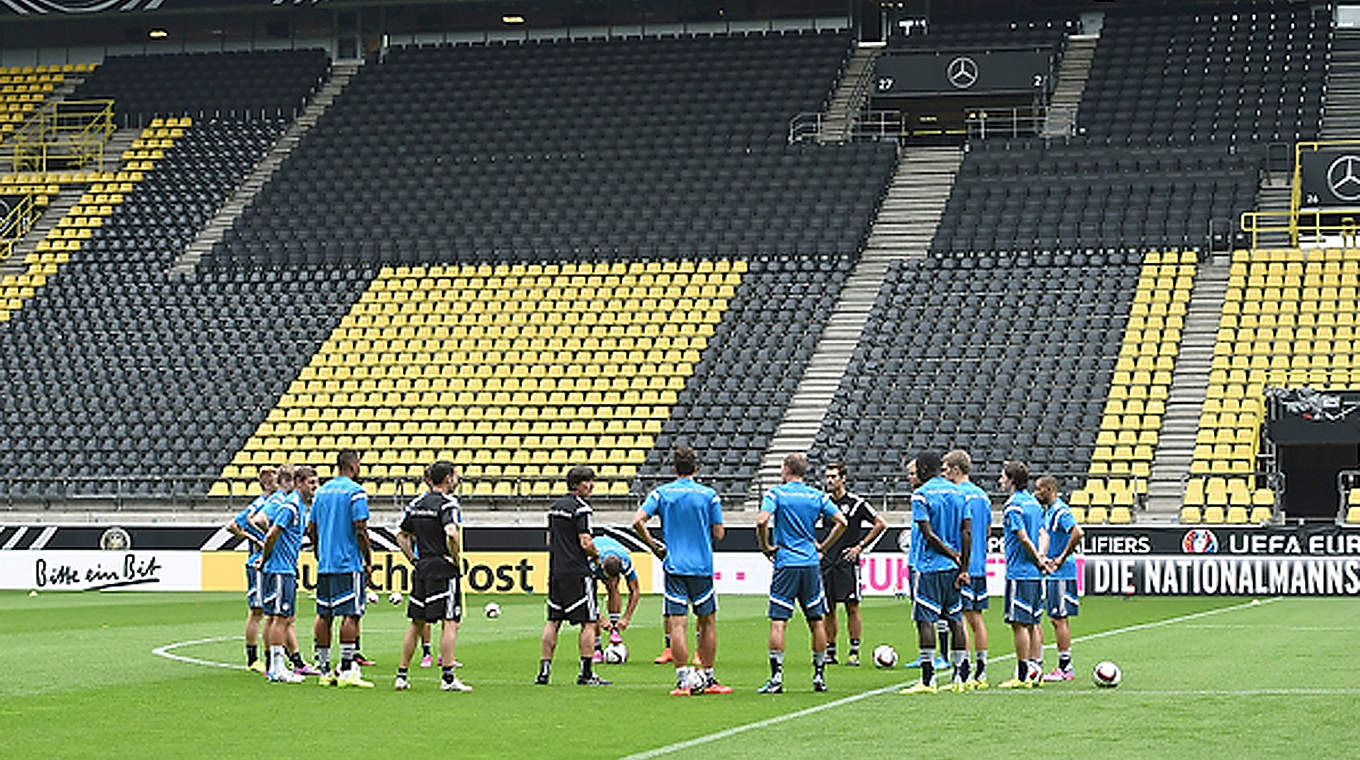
x: 951, y: 521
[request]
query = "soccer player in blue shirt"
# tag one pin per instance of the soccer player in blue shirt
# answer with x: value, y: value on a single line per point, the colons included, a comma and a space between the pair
x: 614, y: 563
x: 1023, y: 519
x: 279, y: 559
x: 937, y: 509
x: 790, y: 512
x: 242, y: 527
x: 1061, y: 537
x: 957, y: 467
x: 338, y: 527
x: 691, y: 520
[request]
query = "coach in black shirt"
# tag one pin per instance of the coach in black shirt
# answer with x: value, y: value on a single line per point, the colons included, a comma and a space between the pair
x: 571, y: 586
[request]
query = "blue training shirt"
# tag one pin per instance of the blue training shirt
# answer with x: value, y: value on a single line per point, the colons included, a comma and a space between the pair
x: 940, y: 503
x: 336, y: 507
x: 1022, y: 512
x: 688, y: 512
x: 979, y: 507
x: 1059, y: 522
x: 608, y: 547
x: 286, y: 513
x: 796, y: 507
x: 243, y: 522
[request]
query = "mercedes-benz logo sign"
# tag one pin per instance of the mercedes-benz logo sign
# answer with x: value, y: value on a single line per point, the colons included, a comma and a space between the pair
x: 1343, y: 178
x: 962, y: 72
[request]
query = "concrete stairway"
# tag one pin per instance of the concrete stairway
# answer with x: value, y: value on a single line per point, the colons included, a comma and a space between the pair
x: 1341, y: 110
x: 906, y: 223
x: 56, y: 209
x: 1189, y: 384
x: 849, y: 97
x: 217, y: 227
x: 1273, y: 195
x: 1073, y: 72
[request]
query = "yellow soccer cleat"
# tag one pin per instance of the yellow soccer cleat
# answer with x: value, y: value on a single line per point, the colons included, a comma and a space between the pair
x: 257, y: 666
x: 978, y: 684
x: 921, y: 688
x: 1014, y: 683
x: 353, y: 677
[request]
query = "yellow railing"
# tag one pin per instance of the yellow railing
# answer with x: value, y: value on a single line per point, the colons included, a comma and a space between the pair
x: 1330, y: 222
x: 15, y: 225
x: 62, y: 135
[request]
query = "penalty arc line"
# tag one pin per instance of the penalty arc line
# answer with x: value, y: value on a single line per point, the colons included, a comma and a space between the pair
x: 676, y: 747
x: 164, y: 651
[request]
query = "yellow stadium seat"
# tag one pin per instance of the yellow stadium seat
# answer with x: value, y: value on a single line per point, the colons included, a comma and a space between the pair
x: 1353, y: 515
x: 1261, y: 515
x: 1214, y: 514
x: 1097, y: 514
x: 1120, y: 515
x: 1237, y: 515
x: 1190, y: 515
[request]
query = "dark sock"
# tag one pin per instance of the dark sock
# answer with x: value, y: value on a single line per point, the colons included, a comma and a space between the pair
x: 252, y: 653
x: 831, y: 649
x: 1065, y: 660
x: 448, y: 673
x: 981, y: 671
x: 585, y: 668
x: 599, y: 645
x: 296, y: 659
x: 267, y: 663
x: 944, y: 641
x: 543, y: 667
x: 776, y: 665
x: 401, y: 672
x: 1022, y: 669
x: 854, y: 646
x: 961, y: 674
x: 425, y: 649
x: 928, y: 671
x: 668, y: 640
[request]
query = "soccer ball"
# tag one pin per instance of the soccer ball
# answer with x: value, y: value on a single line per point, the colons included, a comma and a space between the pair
x: 492, y: 610
x: 1107, y: 675
x: 394, y: 598
x: 696, y: 679
x: 372, y: 597
x: 885, y: 656
x: 616, y: 654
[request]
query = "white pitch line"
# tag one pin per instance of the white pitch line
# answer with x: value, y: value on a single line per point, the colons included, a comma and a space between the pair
x: 676, y: 747
x: 165, y: 652
x: 1220, y: 692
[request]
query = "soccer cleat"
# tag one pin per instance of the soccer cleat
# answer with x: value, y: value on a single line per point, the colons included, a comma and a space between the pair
x: 771, y: 687
x: 921, y: 687
x: 978, y: 684
x: 541, y: 680
x: 352, y: 677
x: 913, y: 663
x: 818, y: 684
x: 359, y: 659
x: 287, y: 676
x: 598, y: 657
x: 454, y: 685
x: 257, y: 666
x: 696, y: 661
x: 401, y: 684
x: 327, y: 678
x: 306, y: 670
x: 713, y: 687
x: 831, y: 659
x: 665, y: 657
x: 1015, y: 683
x: 681, y: 691
x: 455, y: 664
x: 852, y: 660
x: 1059, y: 674
x: 957, y: 687
x: 593, y: 681
x: 615, y: 637
x: 426, y: 661
x: 943, y: 663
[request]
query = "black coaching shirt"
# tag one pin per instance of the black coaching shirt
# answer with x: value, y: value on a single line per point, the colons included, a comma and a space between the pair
x: 425, y: 519
x: 568, y: 518
x: 860, y: 518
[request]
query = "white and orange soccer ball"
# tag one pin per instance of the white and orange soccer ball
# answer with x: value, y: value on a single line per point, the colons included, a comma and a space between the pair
x: 616, y: 654
x: 492, y: 610
x: 885, y: 656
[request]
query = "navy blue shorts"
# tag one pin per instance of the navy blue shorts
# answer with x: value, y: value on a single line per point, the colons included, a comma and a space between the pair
x: 802, y: 584
x: 280, y: 594
x: 253, y: 579
x: 1060, y: 598
x: 684, y: 591
x: 841, y: 583
x: 974, y: 595
x: 1024, y: 601
x: 341, y: 594
x: 934, y: 596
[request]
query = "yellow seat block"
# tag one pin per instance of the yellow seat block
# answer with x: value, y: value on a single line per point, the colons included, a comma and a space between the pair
x: 1120, y: 515
x: 1353, y: 515
x: 1237, y: 515
x: 1261, y: 515
x: 1097, y: 514
x: 1214, y: 514
x: 1191, y: 515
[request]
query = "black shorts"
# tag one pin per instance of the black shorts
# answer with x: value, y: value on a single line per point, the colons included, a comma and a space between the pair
x: 841, y: 581
x: 573, y: 600
x: 435, y: 597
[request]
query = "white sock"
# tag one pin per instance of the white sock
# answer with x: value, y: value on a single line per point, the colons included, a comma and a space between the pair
x: 277, y: 659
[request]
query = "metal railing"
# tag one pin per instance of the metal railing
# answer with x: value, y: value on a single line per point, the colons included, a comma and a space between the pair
x: 61, y: 135
x: 1004, y: 122
x: 867, y: 125
x: 17, y: 222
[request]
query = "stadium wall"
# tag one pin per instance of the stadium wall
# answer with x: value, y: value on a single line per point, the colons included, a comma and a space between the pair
x: 1314, y: 560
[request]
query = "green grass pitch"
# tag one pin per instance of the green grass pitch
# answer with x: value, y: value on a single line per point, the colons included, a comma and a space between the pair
x: 1202, y: 678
